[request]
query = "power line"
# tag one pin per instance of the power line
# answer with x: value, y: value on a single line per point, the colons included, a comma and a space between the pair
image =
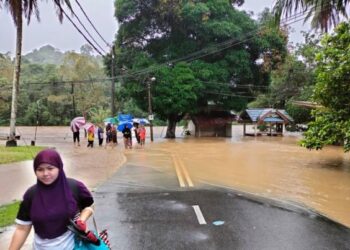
x: 93, y: 26
x: 76, y: 27
x: 228, y: 94
x: 99, y: 80
x: 235, y: 86
x: 187, y: 58
x: 225, y: 45
x: 93, y: 39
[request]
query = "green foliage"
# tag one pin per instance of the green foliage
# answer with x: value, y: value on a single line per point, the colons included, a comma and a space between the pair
x: 6, y: 71
x: 179, y: 86
x: 154, y: 32
x: 332, y: 123
x: 289, y: 81
x: 97, y: 115
x: 323, y: 14
x: 14, y: 154
x: 262, y: 127
x: 45, y: 55
x: 8, y: 213
x: 292, y: 80
x: 300, y: 115
x: 43, y: 97
x: 261, y: 101
x: 329, y: 128
x: 130, y: 107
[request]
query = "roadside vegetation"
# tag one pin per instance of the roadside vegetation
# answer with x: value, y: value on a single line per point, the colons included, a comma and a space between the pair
x: 187, y: 57
x: 8, y: 213
x: 15, y: 154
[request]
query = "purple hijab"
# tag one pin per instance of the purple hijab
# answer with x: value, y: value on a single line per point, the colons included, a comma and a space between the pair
x: 52, y: 205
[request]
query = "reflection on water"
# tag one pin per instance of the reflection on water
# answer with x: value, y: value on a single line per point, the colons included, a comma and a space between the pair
x: 271, y: 166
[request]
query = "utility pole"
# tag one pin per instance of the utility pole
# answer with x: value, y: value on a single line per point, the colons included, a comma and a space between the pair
x: 150, y: 113
x: 113, y: 85
x: 73, y: 100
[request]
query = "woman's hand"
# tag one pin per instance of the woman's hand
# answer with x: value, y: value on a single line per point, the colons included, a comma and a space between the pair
x: 81, y: 225
x: 19, y: 237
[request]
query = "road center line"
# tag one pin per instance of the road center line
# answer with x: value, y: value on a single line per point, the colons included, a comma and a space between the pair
x: 178, y: 172
x: 187, y: 176
x: 199, y: 215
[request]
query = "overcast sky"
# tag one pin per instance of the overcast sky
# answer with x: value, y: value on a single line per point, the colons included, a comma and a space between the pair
x: 101, y: 12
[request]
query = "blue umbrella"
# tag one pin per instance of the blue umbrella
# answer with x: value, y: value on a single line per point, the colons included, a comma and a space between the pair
x: 122, y: 125
x: 125, y: 117
x: 140, y: 120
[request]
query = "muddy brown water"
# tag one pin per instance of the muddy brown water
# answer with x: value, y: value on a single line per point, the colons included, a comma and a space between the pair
x: 275, y: 167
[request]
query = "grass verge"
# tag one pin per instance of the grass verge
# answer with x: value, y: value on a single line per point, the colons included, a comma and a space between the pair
x: 20, y: 153
x: 8, y: 213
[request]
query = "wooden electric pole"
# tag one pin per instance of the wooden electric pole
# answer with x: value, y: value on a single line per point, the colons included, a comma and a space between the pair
x: 113, y: 85
x: 150, y: 112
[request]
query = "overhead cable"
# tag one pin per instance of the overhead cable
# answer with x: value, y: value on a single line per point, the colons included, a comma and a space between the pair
x: 93, y: 26
x: 82, y: 25
x: 218, y: 47
x: 77, y: 28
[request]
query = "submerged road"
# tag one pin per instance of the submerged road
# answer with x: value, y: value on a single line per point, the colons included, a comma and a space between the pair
x: 144, y: 208
x: 167, y: 195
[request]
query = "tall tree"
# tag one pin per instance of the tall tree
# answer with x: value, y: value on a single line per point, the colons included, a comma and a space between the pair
x: 6, y: 71
x: 218, y: 44
x: 332, y: 91
x: 18, y: 8
x: 324, y: 13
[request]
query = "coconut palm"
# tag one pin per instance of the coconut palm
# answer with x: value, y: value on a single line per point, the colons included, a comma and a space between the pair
x: 324, y: 13
x: 17, y: 9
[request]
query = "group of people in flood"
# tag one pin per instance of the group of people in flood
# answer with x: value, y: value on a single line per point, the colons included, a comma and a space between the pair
x: 110, y: 134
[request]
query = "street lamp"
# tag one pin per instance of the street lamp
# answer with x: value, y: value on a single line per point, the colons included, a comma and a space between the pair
x: 150, y: 113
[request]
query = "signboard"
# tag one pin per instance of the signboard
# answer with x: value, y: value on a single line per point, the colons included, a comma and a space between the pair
x: 150, y: 117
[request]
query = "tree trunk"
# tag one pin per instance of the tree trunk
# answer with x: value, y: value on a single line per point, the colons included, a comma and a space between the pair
x: 16, y: 75
x: 170, y: 132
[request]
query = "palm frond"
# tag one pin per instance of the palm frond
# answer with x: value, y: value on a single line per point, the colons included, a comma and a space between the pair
x: 324, y: 13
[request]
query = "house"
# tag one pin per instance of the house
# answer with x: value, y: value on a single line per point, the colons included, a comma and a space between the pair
x: 214, y: 123
x: 271, y: 121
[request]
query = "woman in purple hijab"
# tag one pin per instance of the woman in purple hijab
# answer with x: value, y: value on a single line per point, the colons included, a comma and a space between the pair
x: 50, y: 204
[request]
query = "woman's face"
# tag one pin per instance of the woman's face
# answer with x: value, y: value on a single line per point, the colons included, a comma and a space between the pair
x: 47, y: 173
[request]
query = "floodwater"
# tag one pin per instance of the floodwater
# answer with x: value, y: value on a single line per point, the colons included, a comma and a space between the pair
x: 274, y: 167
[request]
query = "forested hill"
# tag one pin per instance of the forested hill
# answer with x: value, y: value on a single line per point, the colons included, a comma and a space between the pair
x: 45, y: 55
x: 51, y: 55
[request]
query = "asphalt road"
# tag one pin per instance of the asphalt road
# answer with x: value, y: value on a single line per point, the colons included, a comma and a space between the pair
x: 144, y: 208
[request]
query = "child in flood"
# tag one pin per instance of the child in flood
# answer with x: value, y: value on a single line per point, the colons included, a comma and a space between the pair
x: 91, y: 138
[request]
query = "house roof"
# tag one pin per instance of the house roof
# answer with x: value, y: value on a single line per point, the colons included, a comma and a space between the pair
x: 266, y: 115
x: 273, y: 119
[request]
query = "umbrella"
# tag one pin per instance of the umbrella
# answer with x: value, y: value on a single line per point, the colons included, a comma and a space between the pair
x: 122, y: 125
x: 112, y: 120
x: 140, y: 120
x: 125, y: 117
x: 77, y: 123
x: 90, y: 127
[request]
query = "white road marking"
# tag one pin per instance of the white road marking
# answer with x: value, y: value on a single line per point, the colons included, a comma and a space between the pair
x: 199, y: 215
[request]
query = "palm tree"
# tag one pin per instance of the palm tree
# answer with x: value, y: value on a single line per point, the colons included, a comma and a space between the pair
x: 17, y: 9
x: 325, y: 14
